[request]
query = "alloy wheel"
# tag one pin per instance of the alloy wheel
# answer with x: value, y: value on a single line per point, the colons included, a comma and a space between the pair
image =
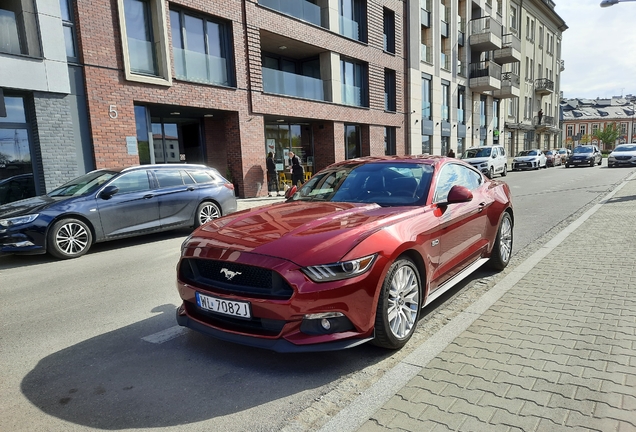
x: 403, y: 301
x: 505, y: 239
x: 72, y: 238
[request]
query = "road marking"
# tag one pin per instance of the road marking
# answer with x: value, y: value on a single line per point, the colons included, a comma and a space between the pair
x: 165, y: 335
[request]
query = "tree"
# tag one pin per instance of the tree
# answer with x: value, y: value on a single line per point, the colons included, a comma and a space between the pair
x: 585, y: 139
x: 608, y: 135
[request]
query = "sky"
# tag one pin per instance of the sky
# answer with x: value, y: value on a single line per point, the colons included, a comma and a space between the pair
x: 599, y: 49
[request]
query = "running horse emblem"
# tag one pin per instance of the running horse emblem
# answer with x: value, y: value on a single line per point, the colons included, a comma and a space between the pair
x: 229, y: 274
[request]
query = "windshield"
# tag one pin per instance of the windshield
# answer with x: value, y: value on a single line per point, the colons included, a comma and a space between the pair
x: 527, y: 153
x: 476, y: 153
x: 625, y: 148
x: 563, y: 151
x: 549, y: 153
x: 87, y: 183
x: 582, y: 150
x: 387, y: 184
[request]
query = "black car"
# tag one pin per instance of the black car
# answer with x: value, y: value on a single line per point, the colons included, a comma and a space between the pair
x: 584, y: 155
x: 17, y: 187
x: 109, y: 204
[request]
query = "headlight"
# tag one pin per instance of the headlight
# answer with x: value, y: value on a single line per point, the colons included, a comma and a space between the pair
x: 339, y: 270
x: 484, y: 165
x: 19, y: 220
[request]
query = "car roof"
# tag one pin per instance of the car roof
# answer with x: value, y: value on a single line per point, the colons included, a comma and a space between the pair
x: 162, y: 166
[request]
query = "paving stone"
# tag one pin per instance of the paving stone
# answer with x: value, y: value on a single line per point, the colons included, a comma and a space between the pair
x: 404, y: 422
x: 372, y: 426
x: 585, y: 407
x: 591, y: 423
x: 472, y: 424
x: 462, y: 407
x: 502, y: 417
x: 604, y: 410
x: 383, y: 416
x: 433, y: 414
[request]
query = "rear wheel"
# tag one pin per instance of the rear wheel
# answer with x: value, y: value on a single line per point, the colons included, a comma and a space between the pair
x: 69, y: 238
x: 505, y: 171
x: 600, y: 162
x: 398, y: 306
x: 206, y: 212
x: 491, y: 172
x: 502, y: 250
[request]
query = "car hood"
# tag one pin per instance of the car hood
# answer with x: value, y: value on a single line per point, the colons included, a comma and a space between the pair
x: 478, y: 160
x: 525, y: 158
x: 302, y: 232
x: 28, y: 206
x: 625, y: 153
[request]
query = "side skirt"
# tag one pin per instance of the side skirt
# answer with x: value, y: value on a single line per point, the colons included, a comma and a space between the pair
x: 455, y: 280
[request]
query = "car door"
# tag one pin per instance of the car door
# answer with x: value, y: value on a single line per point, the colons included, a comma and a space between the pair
x: 134, y: 209
x: 178, y: 197
x: 462, y: 225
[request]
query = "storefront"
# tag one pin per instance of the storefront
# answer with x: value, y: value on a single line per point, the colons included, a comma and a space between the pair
x: 283, y: 137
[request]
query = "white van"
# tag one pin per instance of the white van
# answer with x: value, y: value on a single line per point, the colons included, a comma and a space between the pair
x: 490, y: 160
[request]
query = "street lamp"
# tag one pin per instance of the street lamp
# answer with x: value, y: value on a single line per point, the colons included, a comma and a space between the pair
x: 608, y: 3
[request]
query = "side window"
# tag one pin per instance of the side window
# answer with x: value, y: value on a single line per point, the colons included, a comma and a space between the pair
x: 470, y: 178
x: 135, y: 181
x: 445, y: 181
x: 201, y: 176
x: 502, y: 151
x: 186, y: 178
x: 168, y: 178
x: 495, y: 152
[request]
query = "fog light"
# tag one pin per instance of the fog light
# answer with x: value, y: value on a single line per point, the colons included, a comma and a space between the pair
x: 21, y: 244
x: 325, y: 324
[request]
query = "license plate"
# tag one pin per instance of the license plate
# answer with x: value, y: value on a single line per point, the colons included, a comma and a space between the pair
x: 235, y: 308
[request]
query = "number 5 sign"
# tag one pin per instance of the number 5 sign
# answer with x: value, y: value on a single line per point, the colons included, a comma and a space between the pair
x: 112, y: 111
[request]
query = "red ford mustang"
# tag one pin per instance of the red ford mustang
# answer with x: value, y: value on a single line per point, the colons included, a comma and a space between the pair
x: 351, y: 257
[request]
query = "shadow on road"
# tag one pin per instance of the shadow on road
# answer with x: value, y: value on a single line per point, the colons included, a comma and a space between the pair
x: 119, y: 381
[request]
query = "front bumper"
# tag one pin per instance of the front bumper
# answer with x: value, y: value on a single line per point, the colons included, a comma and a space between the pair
x: 525, y: 165
x: 579, y: 162
x: 618, y: 162
x: 28, y: 239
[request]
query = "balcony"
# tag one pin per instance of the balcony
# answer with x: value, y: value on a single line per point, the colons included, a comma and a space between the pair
x: 485, y: 34
x: 561, y: 65
x: 425, y: 12
x: 545, y: 122
x: 300, y: 9
x: 200, y: 67
x: 543, y: 86
x: 510, y: 86
x: 426, y: 53
x: 510, y: 51
x: 351, y: 95
x: 461, y: 31
x: 349, y: 28
x: 485, y: 76
x: 290, y: 84
x: 445, y: 61
x: 461, y: 68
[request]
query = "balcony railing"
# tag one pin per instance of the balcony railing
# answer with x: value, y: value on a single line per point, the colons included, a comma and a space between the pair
x: 445, y: 61
x: 510, y: 40
x: 461, y: 68
x: 561, y: 65
x: 461, y: 31
x: 510, y: 79
x: 543, y: 85
x: 425, y: 13
x: 445, y: 27
x: 351, y: 95
x: 426, y: 53
x: 485, y: 25
x: 485, y: 69
x: 199, y: 67
x: 349, y: 28
x: 300, y: 9
x: 544, y: 121
x: 290, y: 84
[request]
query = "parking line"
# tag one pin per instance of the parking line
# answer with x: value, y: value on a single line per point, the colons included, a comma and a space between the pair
x: 165, y: 335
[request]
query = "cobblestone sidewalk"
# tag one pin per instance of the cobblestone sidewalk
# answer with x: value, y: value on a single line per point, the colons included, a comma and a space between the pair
x: 557, y: 352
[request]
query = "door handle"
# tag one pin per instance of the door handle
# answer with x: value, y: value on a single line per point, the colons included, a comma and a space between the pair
x: 482, y: 205
x: 148, y: 196
x: 190, y: 188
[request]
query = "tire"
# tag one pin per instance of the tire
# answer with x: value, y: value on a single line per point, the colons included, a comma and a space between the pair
x: 491, y: 173
x: 69, y: 238
x: 399, y: 305
x: 206, y: 212
x: 592, y: 163
x: 505, y: 171
x: 600, y: 162
x: 502, y: 250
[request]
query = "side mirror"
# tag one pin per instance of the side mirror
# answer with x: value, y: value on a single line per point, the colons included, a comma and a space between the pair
x: 290, y: 192
x: 459, y: 194
x: 108, y: 192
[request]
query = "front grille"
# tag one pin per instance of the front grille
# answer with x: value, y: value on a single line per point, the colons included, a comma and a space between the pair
x: 234, y: 278
x: 257, y: 326
x: 623, y: 158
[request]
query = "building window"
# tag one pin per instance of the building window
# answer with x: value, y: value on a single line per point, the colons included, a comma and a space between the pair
x: 426, y: 98
x: 389, y: 30
x: 352, y: 142
x: 15, y: 148
x: 68, y: 26
x: 352, y: 19
x: 461, y: 105
x: 460, y: 146
x: 144, y: 38
x: 353, y: 76
x: 594, y: 128
x: 570, y: 130
x: 546, y: 141
x: 482, y: 112
x: 513, y: 19
x: 426, y: 144
x: 389, y: 141
x: 445, y: 100
x: 445, y: 145
x: 389, y: 90
x: 624, y: 129
x: 583, y: 129
x: 201, y: 49
x: 18, y: 28
x: 495, y: 115
x: 292, y: 77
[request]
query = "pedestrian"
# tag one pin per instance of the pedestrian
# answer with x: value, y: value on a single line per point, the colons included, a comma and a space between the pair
x: 540, y: 114
x: 451, y: 153
x: 297, y: 170
x: 272, y: 180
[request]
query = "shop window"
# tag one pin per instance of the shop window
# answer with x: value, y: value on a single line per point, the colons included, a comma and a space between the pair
x: 201, y: 49
x: 15, y: 151
x: 352, y: 142
x: 18, y: 28
x: 389, y: 141
x: 144, y: 38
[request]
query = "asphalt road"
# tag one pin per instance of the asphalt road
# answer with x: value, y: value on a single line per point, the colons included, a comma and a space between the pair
x: 92, y: 342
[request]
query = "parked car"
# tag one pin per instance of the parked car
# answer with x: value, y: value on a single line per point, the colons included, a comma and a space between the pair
x: 565, y: 154
x: 352, y: 256
x: 529, y: 159
x: 490, y: 160
x: 623, y: 155
x: 17, y: 187
x: 584, y: 155
x: 553, y: 158
x: 110, y: 204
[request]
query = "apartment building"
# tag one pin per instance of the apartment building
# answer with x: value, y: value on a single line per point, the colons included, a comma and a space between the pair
x: 532, y: 119
x: 583, y: 117
x: 466, y: 73
x: 41, y: 95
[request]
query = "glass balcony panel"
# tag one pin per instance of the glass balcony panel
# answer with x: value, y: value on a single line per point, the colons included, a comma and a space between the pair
x: 141, y: 56
x: 445, y: 112
x: 351, y: 95
x: 349, y: 28
x: 199, y: 67
x: 445, y: 61
x: 460, y: 116
x: 426, y: 53
x: 300, y: 9
x: 290, y: 84
x: 426, y: 110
